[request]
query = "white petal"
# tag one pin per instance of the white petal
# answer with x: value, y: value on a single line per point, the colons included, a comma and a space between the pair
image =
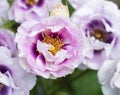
x: 61, y: 56
x: 24, y: 64
x: 106, y: 71
x: 107, y: 90
x: 30, y: 79
x: 42, y: 47
x: 52, y: 4
x: 115, y: 81
x: 40, y: 64
x: 4, y: 79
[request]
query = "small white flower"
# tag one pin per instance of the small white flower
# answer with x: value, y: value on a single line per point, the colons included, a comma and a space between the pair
x: 60, y: 10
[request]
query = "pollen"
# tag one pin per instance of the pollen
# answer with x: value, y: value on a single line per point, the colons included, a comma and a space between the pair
x: 99, y: 34
x: 31, y: 2
x: 56, y: 43
x: 52, y: 48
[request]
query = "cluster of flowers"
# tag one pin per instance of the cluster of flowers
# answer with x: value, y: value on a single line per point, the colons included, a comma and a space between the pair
x: 53, y: 46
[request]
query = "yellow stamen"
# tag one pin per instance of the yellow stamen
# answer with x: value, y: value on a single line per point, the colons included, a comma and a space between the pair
x: 98, y: 34
x: 52, y: 48
x: 56, y: 44
x: 31, y: 2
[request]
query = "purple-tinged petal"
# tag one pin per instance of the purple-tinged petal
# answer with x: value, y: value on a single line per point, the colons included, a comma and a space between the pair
x: 4, y: 7
x: 7, y: 40
x: 11, y: 74
x: 77, y: 3
x: 21, y: 10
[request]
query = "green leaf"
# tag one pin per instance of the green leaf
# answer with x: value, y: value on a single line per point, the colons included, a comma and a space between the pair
x: 87, y: 84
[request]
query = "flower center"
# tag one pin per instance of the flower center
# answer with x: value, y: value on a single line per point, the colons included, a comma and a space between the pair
x: 31, y: 2
x: 99, y: 34
x: 1, y: 86
x: 56, y: 43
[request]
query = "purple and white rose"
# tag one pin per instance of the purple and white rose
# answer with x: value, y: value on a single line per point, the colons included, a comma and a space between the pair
x: 12, y: 77
x: 23, y: 10
x: 50, y: 48
x: 99, y: 22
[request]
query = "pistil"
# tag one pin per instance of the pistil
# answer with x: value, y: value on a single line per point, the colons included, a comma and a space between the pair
x: 55, y: 43
x: 99, y: 34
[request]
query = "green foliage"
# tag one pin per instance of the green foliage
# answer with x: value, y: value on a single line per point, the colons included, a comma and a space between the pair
x: 87, y: 85
x: 71, y: 9
x: 78, y: 83
x: 10, y: 24
x: 10, y: 2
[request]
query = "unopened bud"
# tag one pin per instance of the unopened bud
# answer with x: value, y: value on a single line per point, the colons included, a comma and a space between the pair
x: 60, y: 10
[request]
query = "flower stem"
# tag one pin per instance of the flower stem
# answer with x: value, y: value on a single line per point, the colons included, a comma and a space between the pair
x: 44, y: 87
x: 80, y: 75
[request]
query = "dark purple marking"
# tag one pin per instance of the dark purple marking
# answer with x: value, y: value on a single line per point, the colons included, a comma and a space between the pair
x: 54, y: 35
x: 96, y: 52
x: 42, y: 58
x: 108, y: 22
x: 4, y: 90
x: 109, y: 37
x: 39, y: 4
x: 34, y: 50
x: 95, y: 24
x: 3, y: 69
x: 40, y: 36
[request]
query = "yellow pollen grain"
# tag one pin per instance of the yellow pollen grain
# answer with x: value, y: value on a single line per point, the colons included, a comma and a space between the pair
x: 31, y: 2
x: 56, y: 44
x: 99, y: 34
x: 52, y: 48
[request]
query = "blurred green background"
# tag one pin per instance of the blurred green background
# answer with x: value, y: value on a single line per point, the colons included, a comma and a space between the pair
x: 78, y: 83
